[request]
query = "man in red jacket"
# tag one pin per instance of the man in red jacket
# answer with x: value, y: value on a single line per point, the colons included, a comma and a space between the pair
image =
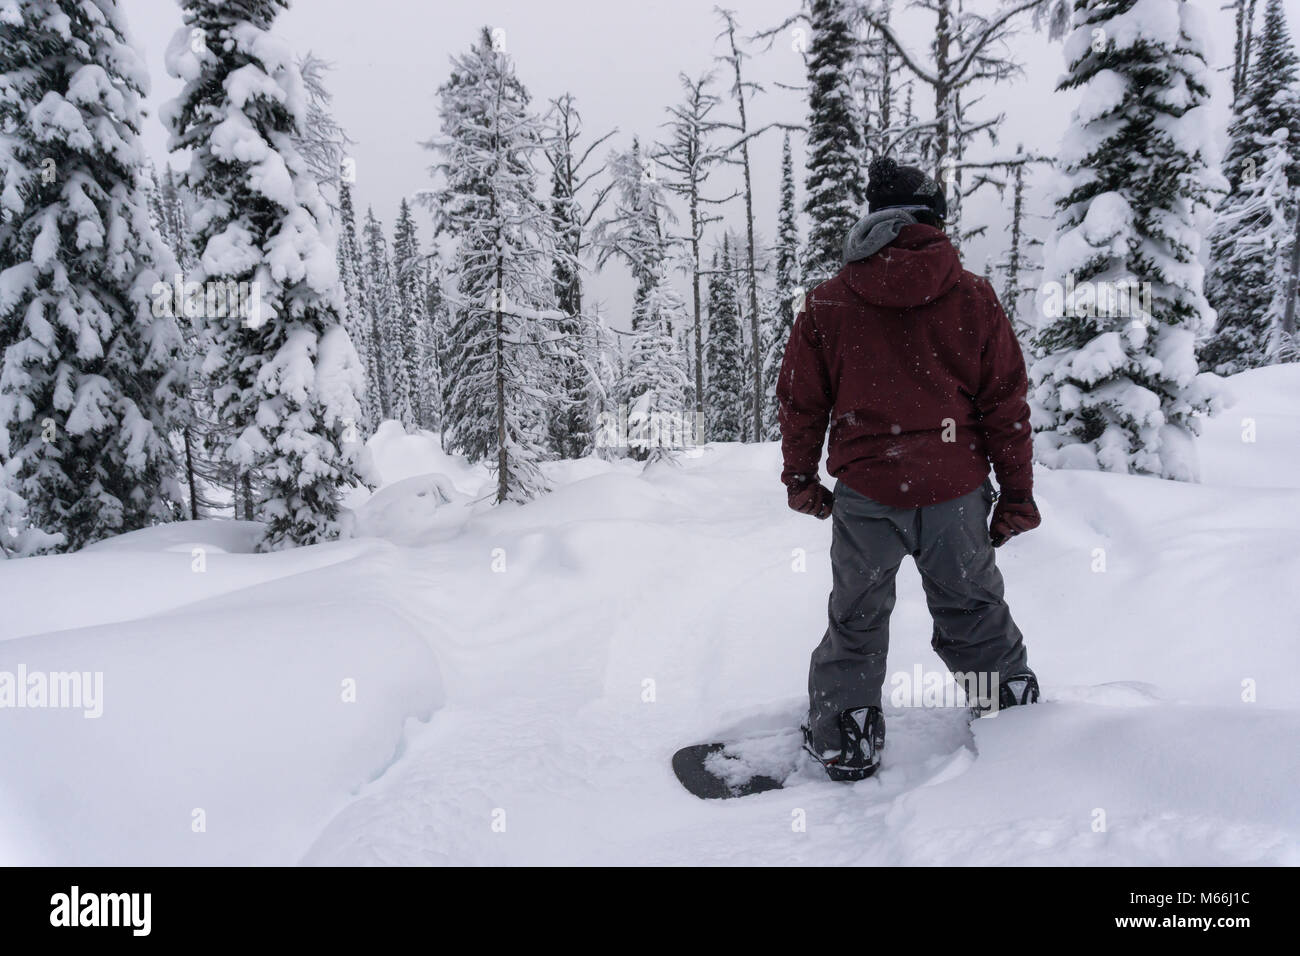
x: 913, y: 365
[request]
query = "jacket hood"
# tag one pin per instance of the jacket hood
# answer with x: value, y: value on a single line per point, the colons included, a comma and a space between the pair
x: 918, y: 267
x: 876, y: 230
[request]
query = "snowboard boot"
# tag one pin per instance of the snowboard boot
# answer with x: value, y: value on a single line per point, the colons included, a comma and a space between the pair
x: 862, y: 737
x: 1013, y: 691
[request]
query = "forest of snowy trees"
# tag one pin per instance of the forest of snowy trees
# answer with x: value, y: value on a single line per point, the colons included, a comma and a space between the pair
x: 220, y: 335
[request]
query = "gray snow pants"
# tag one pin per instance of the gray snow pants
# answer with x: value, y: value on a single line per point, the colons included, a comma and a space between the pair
x: 973, y: 629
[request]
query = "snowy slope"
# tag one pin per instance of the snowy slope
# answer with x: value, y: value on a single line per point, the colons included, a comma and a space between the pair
x: 524, y: 674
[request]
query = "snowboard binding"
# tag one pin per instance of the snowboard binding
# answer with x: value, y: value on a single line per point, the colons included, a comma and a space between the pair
x: 862, y: 737
x: 1015, y: 691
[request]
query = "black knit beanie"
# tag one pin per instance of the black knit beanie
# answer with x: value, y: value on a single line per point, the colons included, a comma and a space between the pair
x: 889, y: 184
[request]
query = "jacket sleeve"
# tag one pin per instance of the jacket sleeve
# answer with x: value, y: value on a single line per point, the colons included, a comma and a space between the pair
x: 1002, y: 406
x: 804, y: 401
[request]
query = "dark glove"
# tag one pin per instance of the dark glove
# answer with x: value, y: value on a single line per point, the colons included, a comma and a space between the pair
x: 813, y: 498
x: 1012, y: 515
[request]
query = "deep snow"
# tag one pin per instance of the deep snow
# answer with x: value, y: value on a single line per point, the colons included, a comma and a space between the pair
x: 522, y: 676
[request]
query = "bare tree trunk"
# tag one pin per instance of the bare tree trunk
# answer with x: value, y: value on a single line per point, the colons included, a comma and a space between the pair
x: 757, y: 364
x: 503, y: 476
x: 189, y: 475
x: 1247, y: 39
x: 699, y: 319
x: 1011, y: 296
x: 385, y: 406
x: 944, y: 117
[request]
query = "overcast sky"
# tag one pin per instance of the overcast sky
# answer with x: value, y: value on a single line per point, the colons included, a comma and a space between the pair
x: 621, y: 61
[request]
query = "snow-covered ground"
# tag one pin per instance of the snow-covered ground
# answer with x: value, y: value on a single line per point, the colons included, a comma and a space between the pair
x: 472, y: 684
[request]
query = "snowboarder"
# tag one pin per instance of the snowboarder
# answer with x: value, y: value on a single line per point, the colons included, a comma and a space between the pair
x: 914, y: 366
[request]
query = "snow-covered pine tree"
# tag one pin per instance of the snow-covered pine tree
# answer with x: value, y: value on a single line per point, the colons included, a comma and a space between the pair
x: 1117, y: 387
x: 835, y: 190
x: 390, y: 379
x: 289, y: 378
x: 171, y: 215
x: 503, y: 338
x: 725, y: 391
x: 356, y: 312
x: 1255, y: 224
x: 654, y: 381
x: 570, y: 424
x: 410, y: 330
x: 634, y: 231
x: 209, y: 481
x: 433, y: 359
x: 779, y: 317
x: 1249, y: 281
x: 321, y: 140
x: 91, y: 383
x: 605, y: 359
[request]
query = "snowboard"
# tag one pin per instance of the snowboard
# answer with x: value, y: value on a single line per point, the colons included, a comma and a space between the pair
x: 723, y: 771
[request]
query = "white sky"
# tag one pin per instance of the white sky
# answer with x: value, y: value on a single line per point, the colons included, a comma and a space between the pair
x: 621, y: 61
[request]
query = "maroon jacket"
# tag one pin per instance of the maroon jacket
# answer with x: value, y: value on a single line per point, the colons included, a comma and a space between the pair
x: 914, y: 365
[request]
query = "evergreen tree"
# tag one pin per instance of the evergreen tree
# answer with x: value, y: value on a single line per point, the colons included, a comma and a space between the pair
x: 289, y: 376
x: 209, y: 480
x: 725, y: 354
x: 654, y: 383
x: 411, y: 321
x: 1117, y: 387
x: 91, y: 383
x: 434, y: 359
x: 170, y: 210
x: 321, y: 140
x: 389, y: 376
x: 835, y: 189
x: 356, y: 313
x: 570, y: 423
x: 1248, y: 282
x: 1267, y: 101
x: 779, y: 316
x: 501, y: 342
x: 1254, y: 231
x: 634, y: 232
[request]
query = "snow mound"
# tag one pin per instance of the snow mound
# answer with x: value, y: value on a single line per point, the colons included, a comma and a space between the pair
x: 407, y: 511
x: 1254, y: 443
x: 397, y: 455
x: 230, y: 730
x: 214, y: 537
